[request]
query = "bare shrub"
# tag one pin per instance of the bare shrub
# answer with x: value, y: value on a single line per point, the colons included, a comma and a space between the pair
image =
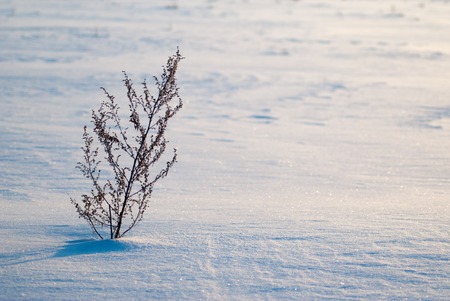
x: 131, y: 151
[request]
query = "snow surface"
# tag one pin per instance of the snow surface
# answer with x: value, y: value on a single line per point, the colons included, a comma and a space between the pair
x: 313, y: 150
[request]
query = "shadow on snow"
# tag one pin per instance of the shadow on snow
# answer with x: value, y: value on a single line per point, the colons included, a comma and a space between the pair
x: 90, y: 246
x: 71, y: 248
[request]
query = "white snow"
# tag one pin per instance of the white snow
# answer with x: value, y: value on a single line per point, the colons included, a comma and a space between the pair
x: 313, y: 149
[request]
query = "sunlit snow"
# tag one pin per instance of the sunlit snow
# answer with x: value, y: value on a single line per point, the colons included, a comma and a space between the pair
x: 313, y: 150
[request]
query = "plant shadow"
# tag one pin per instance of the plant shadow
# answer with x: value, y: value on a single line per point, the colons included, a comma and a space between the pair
x: 90, y: 246
x: 68, y: 248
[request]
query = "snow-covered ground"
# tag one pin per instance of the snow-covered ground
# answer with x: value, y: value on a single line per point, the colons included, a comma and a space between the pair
x: 313, y: 147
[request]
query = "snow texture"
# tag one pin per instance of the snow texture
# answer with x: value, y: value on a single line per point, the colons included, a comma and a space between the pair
x: 313, y: 149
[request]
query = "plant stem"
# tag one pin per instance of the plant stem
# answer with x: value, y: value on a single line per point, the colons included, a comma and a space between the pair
x: 133, y: 169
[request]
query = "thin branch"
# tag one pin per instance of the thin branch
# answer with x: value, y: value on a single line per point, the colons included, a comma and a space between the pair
x: 111, y: 202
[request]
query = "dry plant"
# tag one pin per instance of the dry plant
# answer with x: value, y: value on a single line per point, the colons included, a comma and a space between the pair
x: 131, y: 151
